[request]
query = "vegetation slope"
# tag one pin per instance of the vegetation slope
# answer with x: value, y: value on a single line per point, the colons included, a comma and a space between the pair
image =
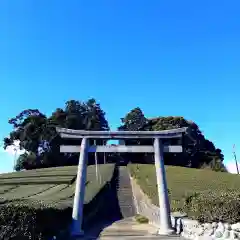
x: 203, y: 194
x: 37, y: 204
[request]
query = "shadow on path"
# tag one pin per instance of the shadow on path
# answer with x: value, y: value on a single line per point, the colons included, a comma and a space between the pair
x: 109, y: 213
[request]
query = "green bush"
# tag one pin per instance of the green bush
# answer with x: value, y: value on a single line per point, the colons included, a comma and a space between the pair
x: 224, y: 207
x: 36, y: 220
x: 40, y: 211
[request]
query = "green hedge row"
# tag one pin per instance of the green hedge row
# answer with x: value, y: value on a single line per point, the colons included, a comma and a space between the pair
x: 39, y: 221
x: 212, y: 208
x: 204, y: 195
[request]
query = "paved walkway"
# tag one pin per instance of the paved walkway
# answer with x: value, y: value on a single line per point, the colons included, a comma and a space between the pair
x: 127, y: 229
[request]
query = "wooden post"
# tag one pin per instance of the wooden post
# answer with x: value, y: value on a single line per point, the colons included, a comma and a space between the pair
x: 77, y: 214
x: 165, y: 217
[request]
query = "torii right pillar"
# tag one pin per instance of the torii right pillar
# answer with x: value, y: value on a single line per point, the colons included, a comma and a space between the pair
x: 165, y: 212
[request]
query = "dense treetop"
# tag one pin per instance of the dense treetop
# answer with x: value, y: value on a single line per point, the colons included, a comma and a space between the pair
x: 36, y: 133
x: 200, y: 153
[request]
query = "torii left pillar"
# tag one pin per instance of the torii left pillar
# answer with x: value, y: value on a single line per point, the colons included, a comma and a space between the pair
x: 77, y: 214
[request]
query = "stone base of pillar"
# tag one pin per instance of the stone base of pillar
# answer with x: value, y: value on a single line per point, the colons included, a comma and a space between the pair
x: 166, y: 232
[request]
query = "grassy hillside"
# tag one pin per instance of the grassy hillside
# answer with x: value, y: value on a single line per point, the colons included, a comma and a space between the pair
x: 41, y: 200
x: 203, y: 194
x: 51, y: 184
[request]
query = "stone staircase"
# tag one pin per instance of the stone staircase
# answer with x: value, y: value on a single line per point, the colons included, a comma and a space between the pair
x: 125, y: 195
x: 122, y: 224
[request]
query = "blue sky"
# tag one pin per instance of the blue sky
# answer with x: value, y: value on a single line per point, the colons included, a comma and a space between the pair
x: 167, y: 57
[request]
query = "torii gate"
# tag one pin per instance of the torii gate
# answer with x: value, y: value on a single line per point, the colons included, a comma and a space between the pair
x: 158, y: 148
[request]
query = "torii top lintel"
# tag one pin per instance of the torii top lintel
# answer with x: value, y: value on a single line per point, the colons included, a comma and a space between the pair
x: 78, y: 134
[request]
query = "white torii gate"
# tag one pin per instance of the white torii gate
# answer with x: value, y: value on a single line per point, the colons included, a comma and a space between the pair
x: 157, y: 148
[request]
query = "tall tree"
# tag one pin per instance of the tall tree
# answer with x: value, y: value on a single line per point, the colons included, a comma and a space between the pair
x: 134, y: 120
x: 197, y: 154
x: 37, y: 132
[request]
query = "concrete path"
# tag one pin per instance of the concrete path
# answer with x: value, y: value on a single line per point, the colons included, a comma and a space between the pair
x: 128, y: 229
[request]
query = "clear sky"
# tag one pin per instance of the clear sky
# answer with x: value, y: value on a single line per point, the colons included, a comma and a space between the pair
x: 167, y: 57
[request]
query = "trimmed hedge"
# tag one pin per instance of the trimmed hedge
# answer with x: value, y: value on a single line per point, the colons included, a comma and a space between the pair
x: 40, y: 176
x: 224, y: 207
x: 36, y: 220
x: 204, y: 195
x: 58, y: 171
x: 24, y: 191
x: 41, y: 211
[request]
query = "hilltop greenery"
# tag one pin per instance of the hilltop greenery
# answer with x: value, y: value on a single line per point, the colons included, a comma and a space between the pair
x: 37, y: 135
x: 198, y: 153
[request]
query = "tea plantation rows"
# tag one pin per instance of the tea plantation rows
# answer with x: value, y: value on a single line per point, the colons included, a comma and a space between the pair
x: 203, y: 194
x: 38, y: 203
